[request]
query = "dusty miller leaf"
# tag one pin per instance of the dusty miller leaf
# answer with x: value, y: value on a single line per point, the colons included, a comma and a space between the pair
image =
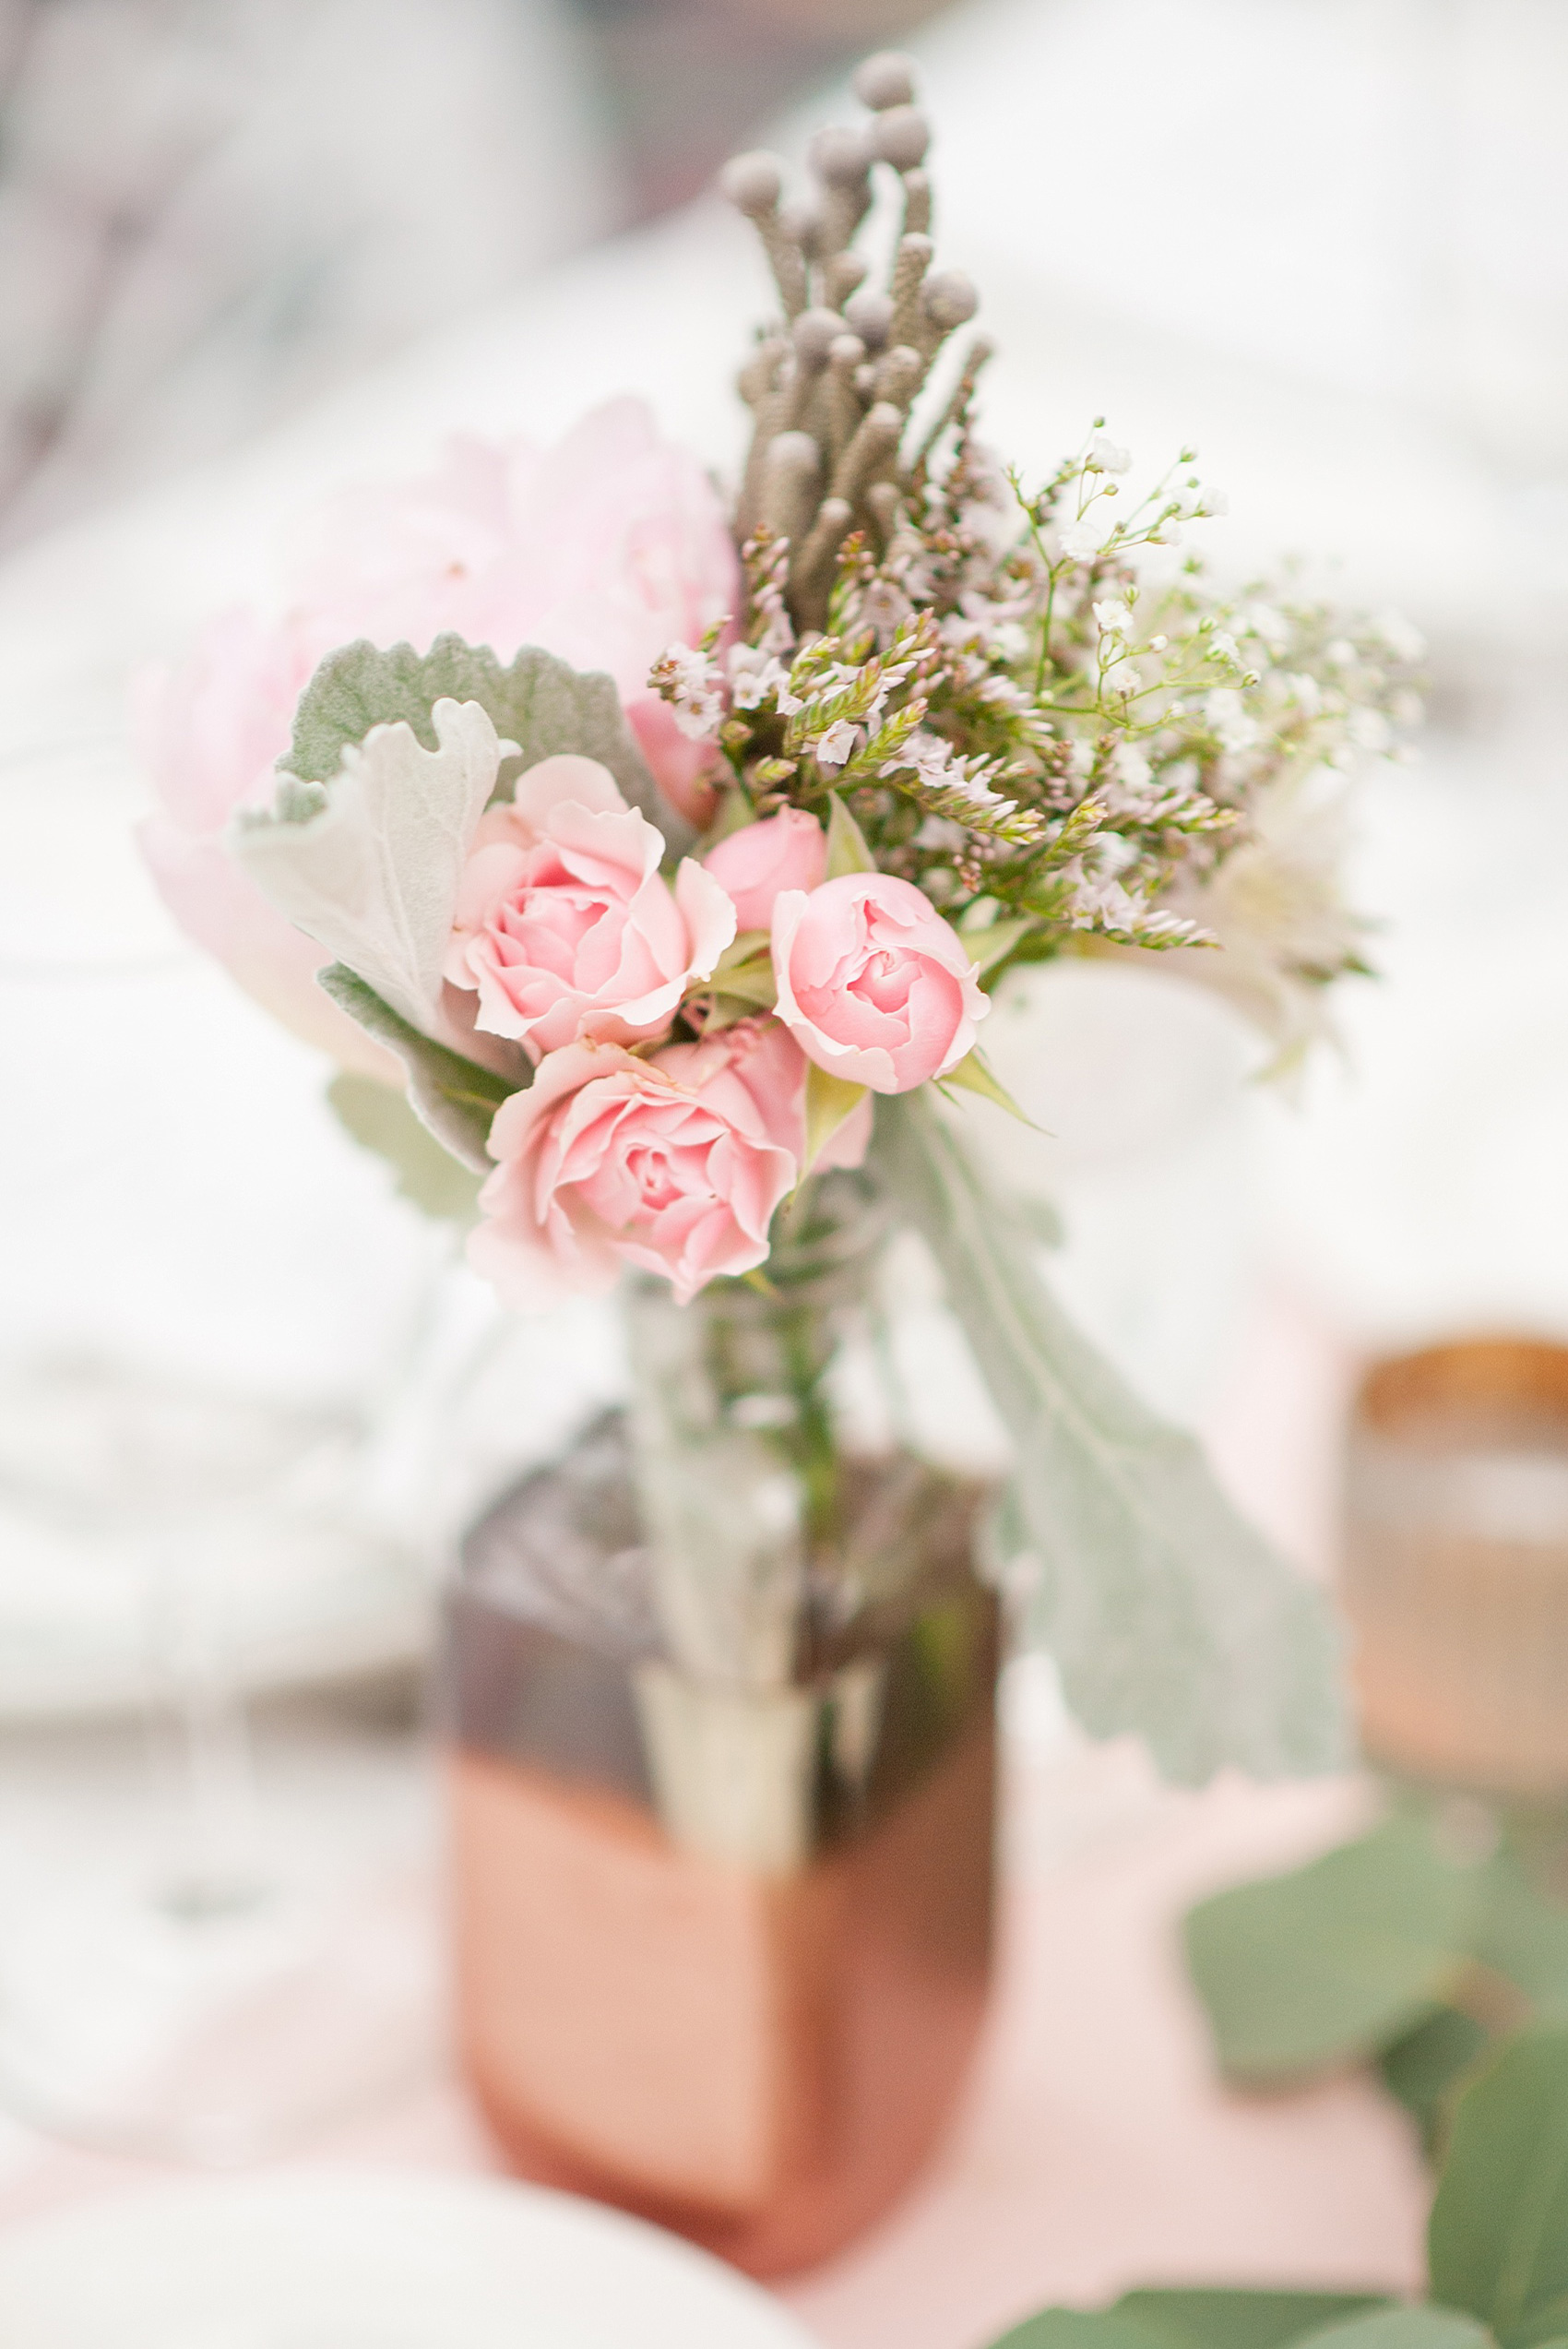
x: 369, y: 865
x: 538, y: 701
x: 383, y: 1121
x: 454, y: 1098
x: 1165, y: 1613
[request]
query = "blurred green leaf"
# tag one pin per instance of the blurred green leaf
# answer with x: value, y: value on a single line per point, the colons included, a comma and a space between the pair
x: 1326, y: 1965
x: 1075, y: 2329
x: 382, y: 1121
x: 1548, y: 2328
x: 1421, y: 2328
x: 1520, y: 1928
x: 1498, y: 2239
x: 1221, y: 2318
x: 1420, y: 2069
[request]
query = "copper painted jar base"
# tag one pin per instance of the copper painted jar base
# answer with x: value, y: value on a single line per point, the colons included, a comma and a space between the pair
x: 721, y: 1958
x: 762, y: 2065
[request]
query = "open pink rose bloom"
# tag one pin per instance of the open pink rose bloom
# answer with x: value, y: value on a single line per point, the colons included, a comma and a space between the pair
x: 675, y: 1164
x: 564, y: 925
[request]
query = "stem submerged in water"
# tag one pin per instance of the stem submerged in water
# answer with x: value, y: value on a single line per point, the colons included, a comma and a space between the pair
x: 740, y: 1451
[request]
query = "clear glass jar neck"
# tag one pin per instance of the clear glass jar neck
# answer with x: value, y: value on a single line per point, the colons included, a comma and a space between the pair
x: 751, y: 1407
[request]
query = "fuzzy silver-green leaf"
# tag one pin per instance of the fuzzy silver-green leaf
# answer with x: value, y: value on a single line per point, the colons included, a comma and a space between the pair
x: 536, y: 701
x: 1166, y: 1612
x: 370, y: 864
x: 455, y: 1099
x: 383, y: 1122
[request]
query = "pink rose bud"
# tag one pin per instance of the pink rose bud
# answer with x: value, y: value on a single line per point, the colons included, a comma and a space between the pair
x: 564, y: 925
x: 675, y: 1164
x: 873, y: 983
x: 785, y: 852
x: 687, y: 773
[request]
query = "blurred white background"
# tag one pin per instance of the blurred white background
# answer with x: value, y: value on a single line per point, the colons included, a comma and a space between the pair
x: 252, y: 254
x: 255, y: 251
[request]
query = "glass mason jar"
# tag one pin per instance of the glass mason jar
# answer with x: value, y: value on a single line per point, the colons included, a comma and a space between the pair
x: 720, y: 1692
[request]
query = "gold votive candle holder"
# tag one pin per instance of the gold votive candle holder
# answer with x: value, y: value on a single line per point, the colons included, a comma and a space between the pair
x: 1455, y: 1564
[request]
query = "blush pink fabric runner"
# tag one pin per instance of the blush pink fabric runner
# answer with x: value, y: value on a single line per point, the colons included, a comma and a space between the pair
x: 1096, y: 2150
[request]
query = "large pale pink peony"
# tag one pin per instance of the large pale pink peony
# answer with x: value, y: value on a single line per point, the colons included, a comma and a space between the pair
x: 675, y: 1164
x: 209, y: 734
x: 565, y: 926
x: 873, y: 983
x: 784, y: 851
x: 603, y: 549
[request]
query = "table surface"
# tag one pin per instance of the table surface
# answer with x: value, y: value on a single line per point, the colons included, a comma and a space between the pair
x: 1095, y: 2149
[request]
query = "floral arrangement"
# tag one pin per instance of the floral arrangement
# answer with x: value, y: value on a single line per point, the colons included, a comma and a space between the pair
x: 673, y: 853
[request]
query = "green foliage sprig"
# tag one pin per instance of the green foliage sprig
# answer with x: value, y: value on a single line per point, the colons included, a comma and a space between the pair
x: 1417, y: 1948
x: 1497, y: 2247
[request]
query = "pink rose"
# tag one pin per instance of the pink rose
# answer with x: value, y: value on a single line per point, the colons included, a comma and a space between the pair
x: 604, y: 550
x: 785, y: 852
x: 675, y: 1164
x: 566, y: 926
x: 873, y: 983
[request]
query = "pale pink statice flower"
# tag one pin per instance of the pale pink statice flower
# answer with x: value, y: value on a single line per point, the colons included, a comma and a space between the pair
x: 693, y: 685
x: 604, y: 549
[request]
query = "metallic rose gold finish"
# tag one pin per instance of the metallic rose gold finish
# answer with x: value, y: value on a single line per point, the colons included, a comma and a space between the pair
x: 748, y: 2017
x: 763, y: 2065
x: 1455, y: 1574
